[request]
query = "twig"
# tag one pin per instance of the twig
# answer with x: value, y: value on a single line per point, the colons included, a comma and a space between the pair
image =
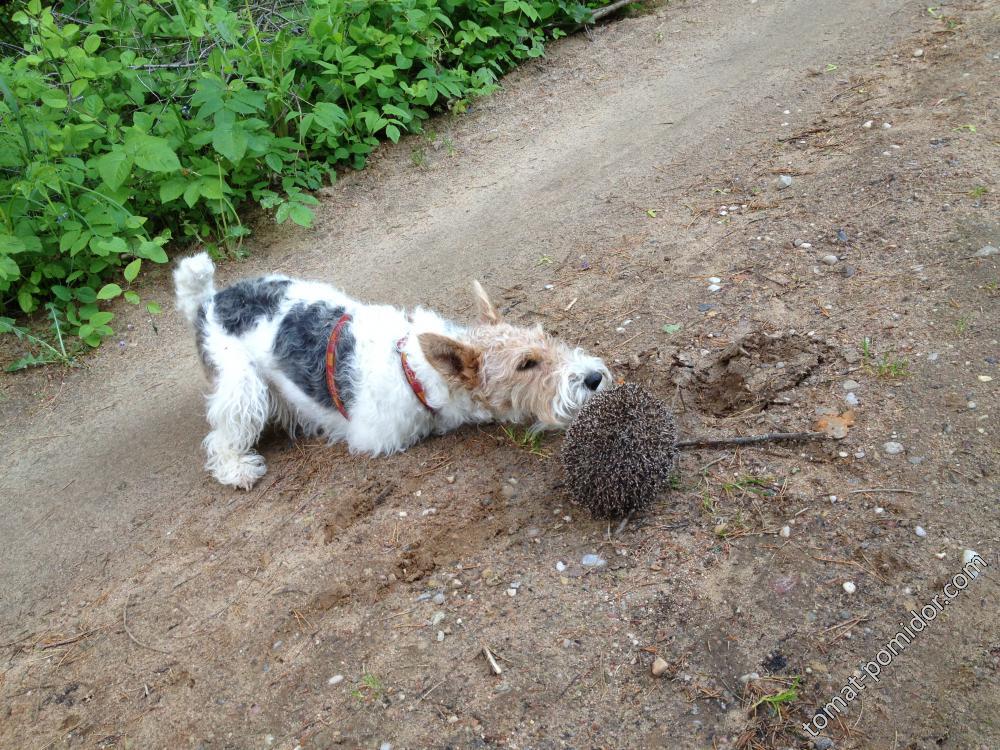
x: 128, y: 632
x: 770, y: 437
x: 490, y: 658
x: 68, y: 641
x: 607, y: 10
x: 883, y: 489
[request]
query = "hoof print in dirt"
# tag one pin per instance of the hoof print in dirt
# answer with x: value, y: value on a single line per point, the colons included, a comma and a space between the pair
x: 751, y: 372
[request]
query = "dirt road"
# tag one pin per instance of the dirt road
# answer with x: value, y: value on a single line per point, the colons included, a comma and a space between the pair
x: 143, y: 606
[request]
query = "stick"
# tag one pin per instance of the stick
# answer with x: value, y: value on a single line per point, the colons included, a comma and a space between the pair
x: 883, y: 489
x: 493, y: 662
x: 607, y: 10
x: 128, y: 632
x: 751, y: 439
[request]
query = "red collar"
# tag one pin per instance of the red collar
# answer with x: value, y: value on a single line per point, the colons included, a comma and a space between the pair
x: 331, y: 368
x: 411, y: 377
x: 331, y: 364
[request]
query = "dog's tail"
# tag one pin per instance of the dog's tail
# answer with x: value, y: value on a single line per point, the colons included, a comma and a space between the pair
x: 193, y: 282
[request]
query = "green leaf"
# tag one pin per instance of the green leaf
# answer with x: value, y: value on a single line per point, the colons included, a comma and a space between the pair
x: 172, y: 189
x: 192, y: 193
x: 91, y: 43
x: 109, y: 291
x: 273, y: 161
x: 26, y: 300
x: 8, y: 269
x: 132, y: 270
x: 671, y: 328
x: 132, y: 298
x: 300, y: 215
x: 393, y: 132
x: 101, y: 318
x: 151, y: 152
x: 153, y: 308
x: 151, y: 251
x: 229, y: 138
x: 54, y: 98
x: 114, y: 168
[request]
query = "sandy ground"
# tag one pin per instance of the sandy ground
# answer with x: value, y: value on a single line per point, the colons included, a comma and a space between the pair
x: 347, y: 601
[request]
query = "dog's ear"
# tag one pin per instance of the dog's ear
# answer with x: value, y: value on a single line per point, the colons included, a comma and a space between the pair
x: 458, y: 363
x: 487, y: 312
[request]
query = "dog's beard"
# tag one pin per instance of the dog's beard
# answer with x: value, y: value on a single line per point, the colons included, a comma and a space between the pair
x: 572, y: 392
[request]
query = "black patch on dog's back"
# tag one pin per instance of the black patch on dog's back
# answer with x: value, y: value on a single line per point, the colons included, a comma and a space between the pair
x: 239, y: 307
x: 300, y: 348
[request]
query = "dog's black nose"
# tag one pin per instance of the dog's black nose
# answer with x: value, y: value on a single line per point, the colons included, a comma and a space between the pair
x: 593, y: 380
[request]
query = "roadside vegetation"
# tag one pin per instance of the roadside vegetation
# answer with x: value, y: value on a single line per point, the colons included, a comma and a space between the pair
x: 130, y: 129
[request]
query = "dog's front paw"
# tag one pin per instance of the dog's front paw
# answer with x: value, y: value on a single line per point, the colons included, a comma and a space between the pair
x: 240, y: 471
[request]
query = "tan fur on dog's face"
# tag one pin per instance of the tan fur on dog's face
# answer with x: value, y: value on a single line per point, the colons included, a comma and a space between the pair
x: 519, y: 374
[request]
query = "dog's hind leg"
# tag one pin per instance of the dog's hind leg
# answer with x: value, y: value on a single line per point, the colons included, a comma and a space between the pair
x: 238, y: 409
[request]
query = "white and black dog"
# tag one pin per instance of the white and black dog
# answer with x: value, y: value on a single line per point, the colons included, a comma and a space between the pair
x: 306, y: 355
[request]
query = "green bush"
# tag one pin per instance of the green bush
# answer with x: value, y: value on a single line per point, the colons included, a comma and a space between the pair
x: 126, y: 126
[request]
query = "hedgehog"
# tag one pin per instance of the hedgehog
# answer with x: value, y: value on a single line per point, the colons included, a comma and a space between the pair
x: 620, y: 452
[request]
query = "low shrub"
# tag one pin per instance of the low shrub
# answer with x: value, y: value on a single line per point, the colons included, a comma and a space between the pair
x: 126, y: 127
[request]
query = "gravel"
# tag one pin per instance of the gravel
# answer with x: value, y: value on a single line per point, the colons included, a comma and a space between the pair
x: 593, y: 561
x: 850, y: 587
x: 829, y: 260
x: 892, y: 448
x: 851, y: 385
x: 986, y: 251
x: 785, y: 181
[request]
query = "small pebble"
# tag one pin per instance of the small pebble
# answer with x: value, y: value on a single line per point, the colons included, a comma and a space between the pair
x: 335, y: 680
x: 851, y: 399
x: 886, y: 125
x: 892, y: 448
x: 593, y: 561
x: 659, y: 666
x: 748, y: 677
x: 879, y: 511
x: 829, y: 260
x: 918, y: 52
x: 439, y: 598
x: 971, y: 405
x: 986, y: 251
x: 511, y: 592
x: 851, y: 385
x: 784, y: 181
x: 714, y: 287
x: 823, y: 743
x: 849, y: 587
x: 786, y: 531
x: 440, y: 636
x: 968, y: 556
x: 868, y: 124
x: 920, y: 531
x: 437, y: 618
x: 714, y: 280
x: 560, y: 566
x: 933, y: 357
x: 985, y: 379
x: 550, y: 286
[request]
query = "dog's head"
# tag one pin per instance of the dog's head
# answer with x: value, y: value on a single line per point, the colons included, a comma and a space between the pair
x: 518, y: 374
